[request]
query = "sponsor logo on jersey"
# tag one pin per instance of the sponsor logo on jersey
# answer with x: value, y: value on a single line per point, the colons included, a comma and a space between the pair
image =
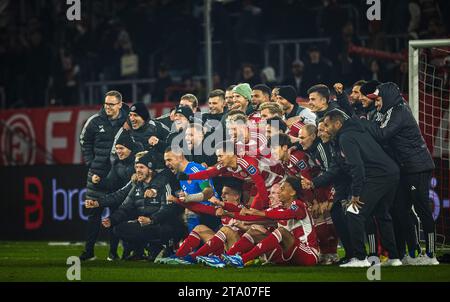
x: 294, y: 207
x: 302, y: 165
x: 251, y: 169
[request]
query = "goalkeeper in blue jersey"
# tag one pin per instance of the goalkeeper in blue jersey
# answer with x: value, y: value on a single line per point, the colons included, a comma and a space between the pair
x: 195, y: 190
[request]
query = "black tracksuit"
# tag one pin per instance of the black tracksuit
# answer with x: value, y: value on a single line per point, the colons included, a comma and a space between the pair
x: 401, y: 132
x: 118, y: 177
x: 162, y: 182
x: 149, y: 129
x: 165, y: 119
x: 375, y: 178
x: 96, y: 140
x: 212, y: 121
x: 334, y: 171
x: 166, y: 219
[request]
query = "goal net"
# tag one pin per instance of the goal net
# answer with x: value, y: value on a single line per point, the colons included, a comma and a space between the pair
x: 429, y: 79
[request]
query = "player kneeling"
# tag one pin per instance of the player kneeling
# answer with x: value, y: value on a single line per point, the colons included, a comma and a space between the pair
x: 294, y: 242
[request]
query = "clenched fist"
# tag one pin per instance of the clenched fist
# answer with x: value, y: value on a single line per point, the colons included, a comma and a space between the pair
x: 339, y: 88
x: 106, y: 223
x: 95, y: 179
x: 90, y: 204
x: 153, y: 140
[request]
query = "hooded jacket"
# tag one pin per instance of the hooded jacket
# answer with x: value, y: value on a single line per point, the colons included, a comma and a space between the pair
x: 401, y: 132
x: 366, y: 160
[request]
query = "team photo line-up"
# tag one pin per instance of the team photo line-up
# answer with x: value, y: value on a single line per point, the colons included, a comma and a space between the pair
x: 262, y: 179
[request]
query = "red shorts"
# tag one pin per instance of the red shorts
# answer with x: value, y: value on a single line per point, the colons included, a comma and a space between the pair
x: 299, y: 254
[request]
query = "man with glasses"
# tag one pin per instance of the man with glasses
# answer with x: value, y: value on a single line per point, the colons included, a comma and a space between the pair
x: 96, y: 140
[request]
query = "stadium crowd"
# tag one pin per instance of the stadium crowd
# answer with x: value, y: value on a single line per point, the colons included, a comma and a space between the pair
x: 47, y: 60
x: 261, y: 178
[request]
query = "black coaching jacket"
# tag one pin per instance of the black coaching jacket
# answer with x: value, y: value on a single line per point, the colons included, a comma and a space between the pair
x: 135, y: 204
x: 365, y: 158
x: 96, y: 140
x: 400, y: 131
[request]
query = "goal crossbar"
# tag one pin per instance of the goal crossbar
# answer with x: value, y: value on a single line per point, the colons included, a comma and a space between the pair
x: 413, y: 61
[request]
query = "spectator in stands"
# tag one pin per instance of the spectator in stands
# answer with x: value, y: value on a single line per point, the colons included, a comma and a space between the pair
x: 37, y: 69
x: 268, y: 77
x: 375, y: 72
x: 163, y: 81
x: 249, y: 75
x: 317, y: 70
x: 66, y: 81
x: 296, y: 79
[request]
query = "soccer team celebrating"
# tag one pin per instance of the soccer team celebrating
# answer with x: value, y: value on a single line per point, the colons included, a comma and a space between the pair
x: 261, y: 179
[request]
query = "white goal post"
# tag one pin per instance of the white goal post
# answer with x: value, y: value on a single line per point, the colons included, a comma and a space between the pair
x: 429, y: 100
x: 413, y: 61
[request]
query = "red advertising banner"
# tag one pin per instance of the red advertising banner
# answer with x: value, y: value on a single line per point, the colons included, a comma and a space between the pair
x: 47, y: 135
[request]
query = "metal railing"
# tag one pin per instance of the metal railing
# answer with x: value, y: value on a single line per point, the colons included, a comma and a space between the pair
x: 282, y: 45
x: 296, y: 47
x: 96, y: 90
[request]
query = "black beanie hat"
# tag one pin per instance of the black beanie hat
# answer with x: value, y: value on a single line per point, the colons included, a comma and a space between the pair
x: 141, y: 110
x: 186, y: 111
x: 147, y: 160
x: 289, y: 93
x: 126, y: 140
x: 369, y: 87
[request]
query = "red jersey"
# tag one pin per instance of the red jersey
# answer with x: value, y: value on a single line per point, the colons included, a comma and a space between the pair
x: 255, y: 117
x: 200, y: 208
x: 300, y: 164
x: 256, y: 145
x: 294, y: 129
x: 297, y: 220
x: 250, y: 170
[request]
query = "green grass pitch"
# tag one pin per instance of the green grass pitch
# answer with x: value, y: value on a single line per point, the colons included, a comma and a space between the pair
x: 37, y: 261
